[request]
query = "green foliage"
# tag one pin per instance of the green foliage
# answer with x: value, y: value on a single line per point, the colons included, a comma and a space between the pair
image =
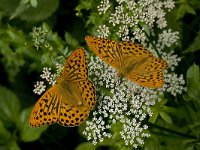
x: 195, y: 46
x: 32, y: 10
x: 161, y: 110
x: 10, y: 106
x: 193, y: 80
x: 28, y: 134
x: 86, y: 145
x: 13, y: 121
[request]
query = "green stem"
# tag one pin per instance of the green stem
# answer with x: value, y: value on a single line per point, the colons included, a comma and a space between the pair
x: 172, y: 131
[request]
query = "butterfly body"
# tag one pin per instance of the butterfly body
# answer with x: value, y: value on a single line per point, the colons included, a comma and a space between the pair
x: 130, y: 59
x: 70, y: 100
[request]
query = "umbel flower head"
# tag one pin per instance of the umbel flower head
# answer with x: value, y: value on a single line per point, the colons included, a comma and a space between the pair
x: 119, y: 101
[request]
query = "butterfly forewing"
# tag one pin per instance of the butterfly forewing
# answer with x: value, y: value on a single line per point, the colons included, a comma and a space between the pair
x: 106, y: 49
x: 75, y: 68
x: 133, y: 60
x: 46, y: 109
x: 130, y: 49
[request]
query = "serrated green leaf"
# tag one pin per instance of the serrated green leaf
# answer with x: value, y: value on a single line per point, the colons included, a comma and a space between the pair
x: 193, y: 80
x: 10, y: 106
x: 166, y: 117
x: 28, y: 134
x: 86, y: 146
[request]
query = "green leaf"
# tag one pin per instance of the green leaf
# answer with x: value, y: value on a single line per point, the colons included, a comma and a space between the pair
x: 84, y: 5
x: 195, y: 46
x: 184, y: 9
x: 190, y: 9
x: 19, y: 10
x: 86, y: 146
x: 10, y: 106
x: 71, y: 41
x: 41, y: 12
x: 27, y: 133
x: 34, y: 3
x: 154, y: 117
x: 193, y: 82
x: 4, y: 134
x: 166, y: 117
x: 12, y: 145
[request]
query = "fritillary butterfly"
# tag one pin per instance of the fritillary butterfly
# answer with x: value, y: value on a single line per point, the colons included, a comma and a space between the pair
x: 70, y: 100
x: 131, y: 60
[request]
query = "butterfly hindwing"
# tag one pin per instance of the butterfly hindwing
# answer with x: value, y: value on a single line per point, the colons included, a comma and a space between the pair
x: 72, y: 116
x: 151, y: 80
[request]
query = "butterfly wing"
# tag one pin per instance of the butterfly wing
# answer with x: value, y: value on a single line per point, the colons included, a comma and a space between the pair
x: 141, y: 66
x: 71, y: 116
x: 78, y: 94
x: 69, y: 102
x: 46, y: 109
x: 106, y: 49
x: 75, y: 67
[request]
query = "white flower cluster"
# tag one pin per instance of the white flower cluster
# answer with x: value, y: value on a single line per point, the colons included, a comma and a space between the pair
x: 103, y: 7
x: 119, y: 102
x: 103, y: 31
x: 129, y: 15
x: 39, y: 87
x: 48, y: 76
x: 98, y: 130
x: 174, y: 84
x: 133, y: 133
x: 167, y: 38
x: 171, y: 59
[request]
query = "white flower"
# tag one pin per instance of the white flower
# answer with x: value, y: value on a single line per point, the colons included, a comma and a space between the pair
x: 39, y: 87
x: 103, y: 7
x: 174, y: 84
x: 167, y: 38
x: 103, y: 31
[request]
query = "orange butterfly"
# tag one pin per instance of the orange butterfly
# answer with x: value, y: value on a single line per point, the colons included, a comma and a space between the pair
x: 131, y: 60
x: 69, y: 101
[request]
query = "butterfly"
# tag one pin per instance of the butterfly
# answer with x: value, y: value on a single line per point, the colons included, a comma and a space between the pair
x: 131, y: 60
x: 70, y: 101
